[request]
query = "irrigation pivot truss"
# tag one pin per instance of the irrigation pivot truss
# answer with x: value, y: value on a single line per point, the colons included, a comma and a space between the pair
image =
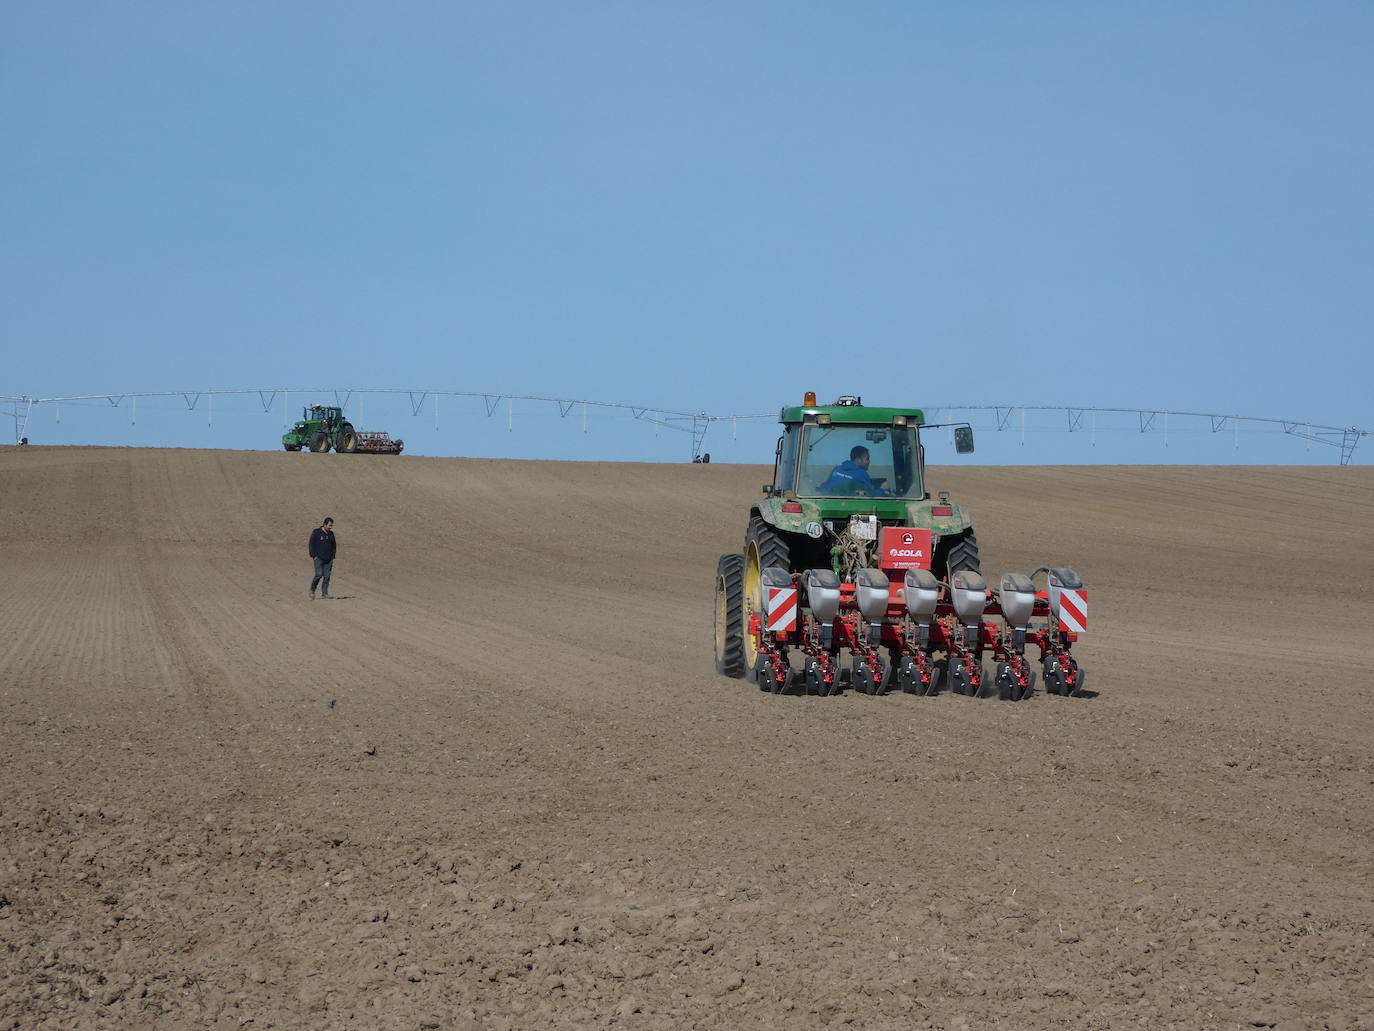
x: 1150, y: 420
x: 1157, y: 420
x: 19, y: 408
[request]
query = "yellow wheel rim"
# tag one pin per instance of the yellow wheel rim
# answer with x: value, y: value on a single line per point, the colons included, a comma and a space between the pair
x: 753, y: 602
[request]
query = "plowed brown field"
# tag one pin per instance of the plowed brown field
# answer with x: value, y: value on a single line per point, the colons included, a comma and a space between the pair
x: 496, y: 784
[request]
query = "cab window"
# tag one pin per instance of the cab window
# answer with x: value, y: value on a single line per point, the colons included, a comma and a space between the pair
x: 832, y: 462
x: 787, y: 460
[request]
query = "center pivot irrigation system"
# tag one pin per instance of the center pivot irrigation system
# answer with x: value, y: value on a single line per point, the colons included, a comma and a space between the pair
x: 1080, y: 419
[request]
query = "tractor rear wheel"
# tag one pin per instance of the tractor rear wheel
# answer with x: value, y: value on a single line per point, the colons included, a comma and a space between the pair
x: 319, y: 443
x: 348, y: 440
x: 730, y: 616
x: 763, y: 547
x: 955, y: 554
x: 770, y: 545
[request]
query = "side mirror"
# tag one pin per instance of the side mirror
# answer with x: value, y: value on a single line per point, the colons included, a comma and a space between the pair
x: 963, y: 440
x: 768, y: 488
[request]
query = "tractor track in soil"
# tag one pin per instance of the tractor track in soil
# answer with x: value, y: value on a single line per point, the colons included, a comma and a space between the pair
x: 496, y: 784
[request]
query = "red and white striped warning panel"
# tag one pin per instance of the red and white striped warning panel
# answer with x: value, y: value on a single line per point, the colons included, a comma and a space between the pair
x: 782, y: 609
x: 1073, y: 609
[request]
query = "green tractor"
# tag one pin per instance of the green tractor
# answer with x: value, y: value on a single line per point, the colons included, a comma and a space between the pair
x: 848, y: 555
x: 848, y: 482
x: 835, y: 462
x: 320, y: 428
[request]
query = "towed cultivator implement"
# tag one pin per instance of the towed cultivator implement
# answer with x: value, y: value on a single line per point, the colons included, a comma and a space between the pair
x: 378, y: 443
x: 916, y: 633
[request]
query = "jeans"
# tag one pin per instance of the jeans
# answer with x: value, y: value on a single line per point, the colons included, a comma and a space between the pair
x: 322, y: 571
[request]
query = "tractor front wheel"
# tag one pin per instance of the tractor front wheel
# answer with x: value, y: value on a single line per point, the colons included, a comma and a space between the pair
x: 730, y: 616
x: 319, y: 443
x: 291, y: 447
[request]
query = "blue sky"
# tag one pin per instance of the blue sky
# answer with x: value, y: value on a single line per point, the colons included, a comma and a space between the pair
x: 704, y: 206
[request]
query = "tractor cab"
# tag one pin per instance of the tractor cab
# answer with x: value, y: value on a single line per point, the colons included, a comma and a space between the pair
x: 315, y: 417
x: 846, y: 450
x: 818, y: 461
x: 323, y: 413
x: 849, y: 480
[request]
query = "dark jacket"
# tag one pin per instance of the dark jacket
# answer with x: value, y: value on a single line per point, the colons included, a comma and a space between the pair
x: 322, y: 544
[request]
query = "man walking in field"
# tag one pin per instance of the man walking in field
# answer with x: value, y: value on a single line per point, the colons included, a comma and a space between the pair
x: 323, y: 548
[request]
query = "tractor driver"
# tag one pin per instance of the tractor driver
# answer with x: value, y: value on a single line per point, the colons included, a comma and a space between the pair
x: 852, y: 474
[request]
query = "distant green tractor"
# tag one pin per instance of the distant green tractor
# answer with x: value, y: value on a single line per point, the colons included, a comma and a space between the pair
x: 322, y: 427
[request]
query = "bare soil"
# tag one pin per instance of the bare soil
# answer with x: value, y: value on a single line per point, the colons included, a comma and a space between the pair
x: 497, y: 784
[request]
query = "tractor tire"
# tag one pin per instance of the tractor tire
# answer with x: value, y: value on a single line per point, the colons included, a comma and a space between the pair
x: 763, y: 547
x: 954, y: 554
x: 291, y: 447
x: 347, y: 440
x: 730, y: 616
x: 770, y: 545
x: 319, y: 443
